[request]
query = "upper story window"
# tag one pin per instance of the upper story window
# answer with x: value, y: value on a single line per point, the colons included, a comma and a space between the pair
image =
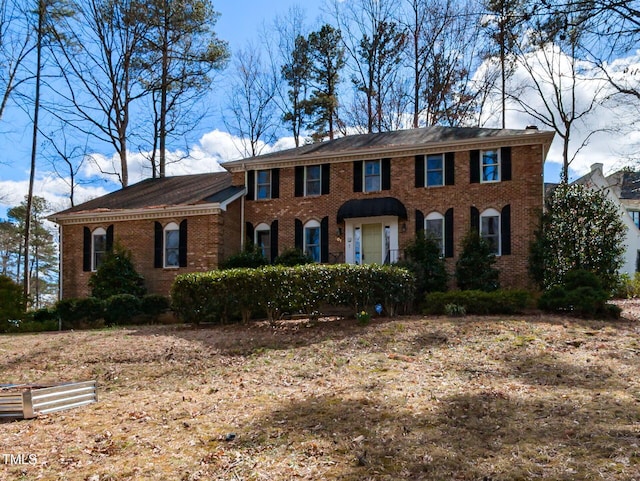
x: 263, y: 240
x: 312, y: 180
x: 490, y: 229
x: 312, y: 240
x: 171, y: 245
x: 372, y: 172
x: 434, y: 229
x: 263, y: 184
x: 635, y: 216
x: 98, y: 247
x: 490, y: 168
x: 434, y: 170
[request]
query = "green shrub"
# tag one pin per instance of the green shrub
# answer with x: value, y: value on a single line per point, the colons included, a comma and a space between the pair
x: 11, y: 303
x: 121, y: 309
x: 116, y: 275
x: 85, y: 313
x: 293, y: 257
x: 477, y: 302
x: 582, y: 295
x: 251, y: 256
x: 276, y: 290
x: 153, y: 305
x: 475, y: 268
x: 423, y: 257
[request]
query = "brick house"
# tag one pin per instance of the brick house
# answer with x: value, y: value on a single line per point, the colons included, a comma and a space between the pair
x: 171, y: 225
x: 356, y: 199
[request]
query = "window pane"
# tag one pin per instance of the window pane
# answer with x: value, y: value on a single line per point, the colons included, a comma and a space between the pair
x: 434, y: 229
x: 490, y: 166
x: 171, y: 248
x: 371, y: 176
x: 313, y: 180
x: 99, y: 249
x: 312, y: 242
x: 490, y: 232
x: 435, y: 170
x: 263, y: 184
x: 263, y: 240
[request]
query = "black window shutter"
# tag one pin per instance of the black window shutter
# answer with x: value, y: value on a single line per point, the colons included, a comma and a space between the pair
x: 274, y: 240
x: 325, y: 176
x: 324, y: 239
x: 182, y: 246
x: 86, y: 249
x: 299, y: 181
x: 275, y: 183
x: 386, y: 174
x: 357, y: 176
x: 419, y: 221
x: 449, y: 168
x: 475, y: 220
x: 249, y: 232
x: 251, y: 185
x: 157, y: 245
x: 474, y: 166
x: 109, y: 238
x: 448, y: 233
x: 299, y: 234
x: 505, y: 230
x: 419, y: 170
x: 505, y: 163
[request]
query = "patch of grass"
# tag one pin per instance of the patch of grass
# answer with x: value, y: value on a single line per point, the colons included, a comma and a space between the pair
x: 412, y: 398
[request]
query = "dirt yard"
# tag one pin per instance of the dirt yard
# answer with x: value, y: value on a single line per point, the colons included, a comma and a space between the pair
x: 412, y: 398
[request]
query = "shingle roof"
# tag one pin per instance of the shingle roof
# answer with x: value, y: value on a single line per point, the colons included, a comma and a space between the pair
x: 166, y: 191
x: 630, y: 185
x: 382, y: 140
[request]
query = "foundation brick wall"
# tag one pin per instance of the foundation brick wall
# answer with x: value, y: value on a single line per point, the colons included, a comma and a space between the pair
x: 524, y: 193
x: 210, y: 238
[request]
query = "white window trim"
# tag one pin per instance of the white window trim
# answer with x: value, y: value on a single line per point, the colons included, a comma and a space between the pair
x: 171, y: 226
x: 306, y: 167
x: 436, y: 216
x: 493, y: 213
x: 364, y: 175
x: 498, y: 166
x: 257, y: 185
x: 312, y: 224
x: 426, y: 170
x: 99, y: 231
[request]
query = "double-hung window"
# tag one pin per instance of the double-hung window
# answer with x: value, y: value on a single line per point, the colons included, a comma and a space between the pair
x: 172, y: 245
x: 372, y: 181
x: 635, y: 216
x: 263, y: 184
x: 263, y: 240
x: 434, y: 229
x: 490, y: 166
x: 312, y: 181
x: 490, y: 229
x: 312, y: 240
x: 99, y: 247
x: 434, y: 170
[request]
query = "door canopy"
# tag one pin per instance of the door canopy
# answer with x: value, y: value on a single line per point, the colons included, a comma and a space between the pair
x: 372, y: 208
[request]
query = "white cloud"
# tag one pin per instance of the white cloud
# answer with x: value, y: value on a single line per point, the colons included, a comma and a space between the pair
x: 611, y: 142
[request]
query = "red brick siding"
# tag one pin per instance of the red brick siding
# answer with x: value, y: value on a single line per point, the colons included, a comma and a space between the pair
x: 523, y: 193
x: 209, y: 239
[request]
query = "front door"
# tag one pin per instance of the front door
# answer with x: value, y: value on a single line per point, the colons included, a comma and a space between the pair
x: 372, y: 243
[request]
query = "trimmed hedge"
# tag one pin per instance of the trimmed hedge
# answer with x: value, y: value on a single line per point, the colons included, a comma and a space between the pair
x: 478, y: 302
x: 218, y: 295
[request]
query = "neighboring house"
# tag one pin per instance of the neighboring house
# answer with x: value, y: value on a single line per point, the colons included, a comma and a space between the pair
x: 358, y: 199
x: 623, y: 188
x: 171, y: 225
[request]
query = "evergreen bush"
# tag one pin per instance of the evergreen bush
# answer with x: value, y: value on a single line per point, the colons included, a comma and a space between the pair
x: 116, y: 275
x: 475, y: 268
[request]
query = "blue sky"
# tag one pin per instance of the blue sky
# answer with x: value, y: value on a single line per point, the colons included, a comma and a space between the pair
x: 240, y: 22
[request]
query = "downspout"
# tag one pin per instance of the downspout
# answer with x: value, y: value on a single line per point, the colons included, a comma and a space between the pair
x: 60, y: 268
